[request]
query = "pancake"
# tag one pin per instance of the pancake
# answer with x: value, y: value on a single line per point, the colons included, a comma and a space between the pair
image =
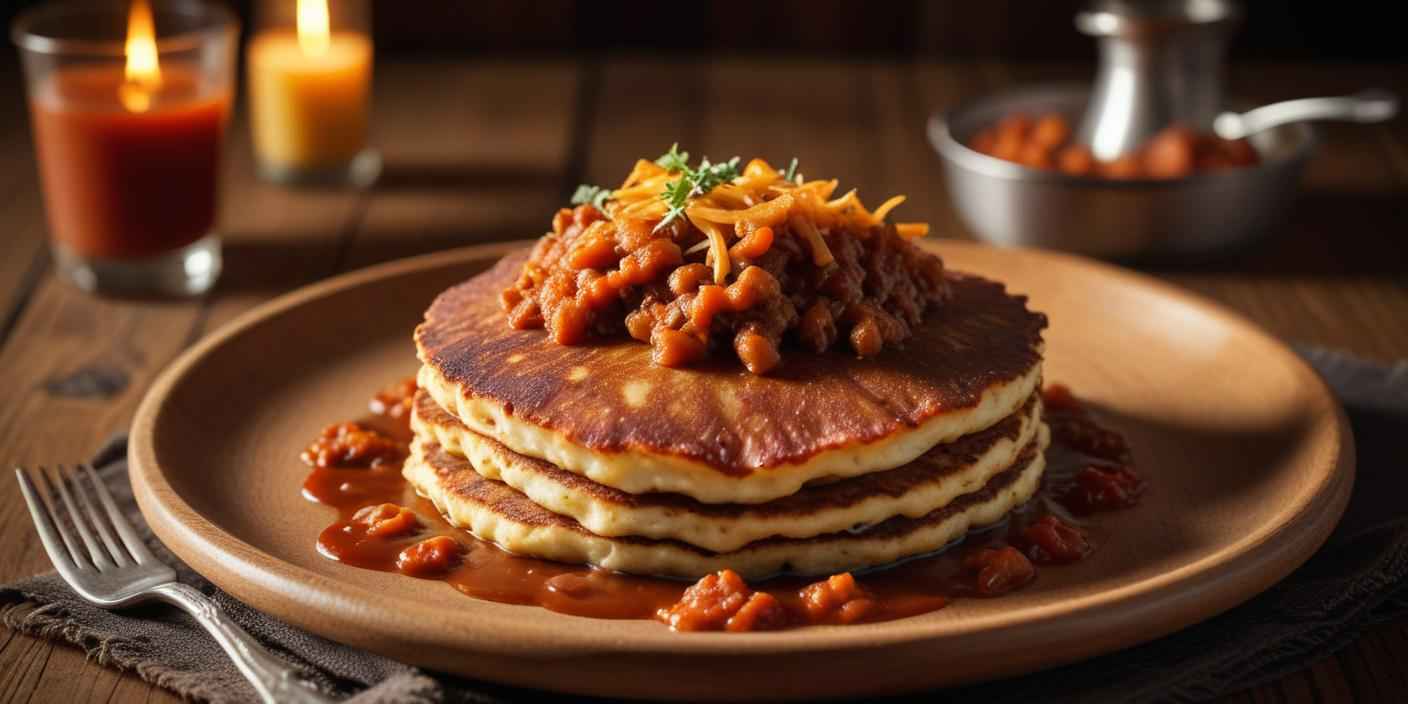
x: 915, y: 489
x: 496, y: 512
x: 715, y: 432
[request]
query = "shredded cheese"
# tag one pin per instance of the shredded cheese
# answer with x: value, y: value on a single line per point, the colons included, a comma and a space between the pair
x: 912, y: 230
x: 718, y: 251
x: 760, y: 196
x: 885, y: 208
x: 821, y: 254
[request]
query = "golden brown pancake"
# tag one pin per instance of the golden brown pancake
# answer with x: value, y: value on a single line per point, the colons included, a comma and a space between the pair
x: 715, y: 432
x: 495, y: 512
x: 915, y: 489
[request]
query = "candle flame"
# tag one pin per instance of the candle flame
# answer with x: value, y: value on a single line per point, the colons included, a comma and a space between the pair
x: 142, y: 73
x: 313, y: 27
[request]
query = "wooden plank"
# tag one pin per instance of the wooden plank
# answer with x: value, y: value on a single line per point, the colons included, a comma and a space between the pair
x: 940, y: 87
x: 623, y: 125
x: 23, y: 660
x: 64, y: 674
x: 812, y: 110
x: 935, y: 89
x: 489, y: 162
x: 23, y: 247
x: 35, y: 670
x: 912, y: 167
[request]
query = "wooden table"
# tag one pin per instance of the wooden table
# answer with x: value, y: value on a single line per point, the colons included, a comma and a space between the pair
x: 486, y: 150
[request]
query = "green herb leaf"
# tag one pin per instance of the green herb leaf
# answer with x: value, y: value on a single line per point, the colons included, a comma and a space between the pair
x: 596, y: 195
x: 692, y: 183
x: 676, y: 194
x: 791, y: 170
x: 674, y: 160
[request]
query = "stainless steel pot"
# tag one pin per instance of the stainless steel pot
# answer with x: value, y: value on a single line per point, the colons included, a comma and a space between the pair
x: 1010, y: 204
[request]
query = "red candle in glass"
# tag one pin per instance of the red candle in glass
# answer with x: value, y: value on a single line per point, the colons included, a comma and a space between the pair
x: 129, y: 128
x: 118, y: 183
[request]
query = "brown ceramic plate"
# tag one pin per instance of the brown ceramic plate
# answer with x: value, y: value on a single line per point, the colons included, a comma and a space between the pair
x: 1249, y: 459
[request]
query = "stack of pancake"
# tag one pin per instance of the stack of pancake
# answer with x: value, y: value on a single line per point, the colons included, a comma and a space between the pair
x: 591, y: 454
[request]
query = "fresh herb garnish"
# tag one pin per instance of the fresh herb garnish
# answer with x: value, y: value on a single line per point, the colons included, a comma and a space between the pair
x: 596, y: 195
x: 674, y: 160
x: 692, y: 183
x: 791, y: 170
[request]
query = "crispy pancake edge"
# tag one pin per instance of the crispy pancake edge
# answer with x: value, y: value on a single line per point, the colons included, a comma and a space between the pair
x: 497, y: 513
x: 912, y: 490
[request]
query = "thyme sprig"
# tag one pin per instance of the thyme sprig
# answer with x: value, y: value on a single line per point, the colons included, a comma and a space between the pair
x: 692, y: 183
x: 587, y: 193
x: 674, y: 160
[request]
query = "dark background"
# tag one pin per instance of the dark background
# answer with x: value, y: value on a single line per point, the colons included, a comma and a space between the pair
x: 958, y: 29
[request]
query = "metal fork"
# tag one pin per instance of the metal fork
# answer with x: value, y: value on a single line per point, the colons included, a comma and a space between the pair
x: 116, y: 571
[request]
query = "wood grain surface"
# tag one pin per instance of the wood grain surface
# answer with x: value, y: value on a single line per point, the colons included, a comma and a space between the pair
x: 478, y: 151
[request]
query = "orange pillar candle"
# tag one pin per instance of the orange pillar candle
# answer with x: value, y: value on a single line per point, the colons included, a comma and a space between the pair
x: 128, y: 133
x: 310, y: 92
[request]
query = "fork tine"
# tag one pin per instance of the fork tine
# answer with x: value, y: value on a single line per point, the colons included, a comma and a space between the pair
x: 95, y: 551
x: 134, y: 543
x: 119, y: 555
x: 55, y: 541
x: 50, y: 496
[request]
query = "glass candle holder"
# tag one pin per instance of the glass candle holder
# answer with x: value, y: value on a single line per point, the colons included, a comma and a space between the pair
x: 309, y: 71
x: 129, y: 104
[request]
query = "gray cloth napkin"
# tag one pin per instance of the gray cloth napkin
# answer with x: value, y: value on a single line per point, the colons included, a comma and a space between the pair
x: 1356, y: 580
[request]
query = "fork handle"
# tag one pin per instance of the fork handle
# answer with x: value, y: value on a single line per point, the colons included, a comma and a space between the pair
x: 274, y: 679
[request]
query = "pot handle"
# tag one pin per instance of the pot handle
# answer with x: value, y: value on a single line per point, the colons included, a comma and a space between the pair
x: 1365, y: 106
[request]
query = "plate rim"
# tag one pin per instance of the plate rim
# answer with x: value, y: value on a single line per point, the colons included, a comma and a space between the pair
x: 252, y: 575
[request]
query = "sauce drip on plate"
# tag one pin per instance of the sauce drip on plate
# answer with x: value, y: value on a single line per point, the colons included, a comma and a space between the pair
x: 383, y: 525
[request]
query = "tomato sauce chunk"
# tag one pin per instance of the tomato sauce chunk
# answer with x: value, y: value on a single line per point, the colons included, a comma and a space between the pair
x: 395, y: 400
x: 723, y: 601
x: 1051, y: 541
x: 430, y: 557
x: 352, y: 445
x: 1081, y: 433
x: 1059, y: 397
x: 837, y: 599
x: 386, y: 521
x: 1095, y: 489
x: 997, y: 571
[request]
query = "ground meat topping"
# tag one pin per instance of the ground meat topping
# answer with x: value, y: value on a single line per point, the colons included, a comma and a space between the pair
x: 756, y: 263
x: 352, y: 445
x: 723, y: 601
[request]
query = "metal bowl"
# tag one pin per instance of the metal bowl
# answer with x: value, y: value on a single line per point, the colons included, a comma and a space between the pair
x: 1010, y: 204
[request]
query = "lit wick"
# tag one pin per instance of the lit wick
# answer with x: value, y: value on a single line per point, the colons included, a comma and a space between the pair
x: 142, y: 75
